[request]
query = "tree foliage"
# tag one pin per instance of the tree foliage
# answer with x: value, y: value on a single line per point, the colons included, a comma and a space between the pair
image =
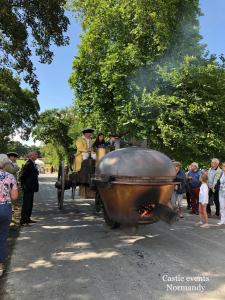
x: 185, y: 114
x: 18, y: 108
x: 27, y: 25
x: 21, y: 149
x: 122, y: 38
x: 51, y: 154
x: 142, y: 71
x: 58, y: 128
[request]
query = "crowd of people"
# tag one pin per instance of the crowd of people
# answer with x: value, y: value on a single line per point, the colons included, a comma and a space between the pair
x: 203, y: 188
x: 28, y: 178
x: 9, y: 193
x: 85, y: 147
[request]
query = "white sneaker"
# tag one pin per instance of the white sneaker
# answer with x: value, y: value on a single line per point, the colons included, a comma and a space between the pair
x: 220, y: 223
x: 199, y: 223
x: 205, y: 225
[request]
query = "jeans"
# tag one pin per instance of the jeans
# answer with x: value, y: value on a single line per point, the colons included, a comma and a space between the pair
x: 176, y: 199
x: 5, y: 219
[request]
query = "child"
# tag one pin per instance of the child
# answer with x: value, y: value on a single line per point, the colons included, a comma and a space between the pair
x: 203, y: 201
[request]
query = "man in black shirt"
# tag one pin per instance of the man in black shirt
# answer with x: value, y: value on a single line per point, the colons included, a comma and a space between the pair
x: 29, y: 184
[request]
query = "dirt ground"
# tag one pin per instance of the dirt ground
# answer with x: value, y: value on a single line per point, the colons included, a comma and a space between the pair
x: 72, y: 254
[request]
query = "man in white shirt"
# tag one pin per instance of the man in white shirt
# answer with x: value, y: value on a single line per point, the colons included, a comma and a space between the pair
x: 213, y: 176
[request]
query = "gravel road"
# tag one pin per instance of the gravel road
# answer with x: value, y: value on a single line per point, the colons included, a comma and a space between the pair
x: 72, y: 254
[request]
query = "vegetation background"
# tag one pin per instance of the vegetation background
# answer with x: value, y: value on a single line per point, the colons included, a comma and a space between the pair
x: 141, y: 70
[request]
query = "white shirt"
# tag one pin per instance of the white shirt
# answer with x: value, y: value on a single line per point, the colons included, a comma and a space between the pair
x: 222, y: 183
x: 204, y: 193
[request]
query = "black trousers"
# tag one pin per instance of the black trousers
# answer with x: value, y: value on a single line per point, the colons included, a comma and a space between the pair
x: 28, y: 199
x: 188, y: 197
x: 216, y: 201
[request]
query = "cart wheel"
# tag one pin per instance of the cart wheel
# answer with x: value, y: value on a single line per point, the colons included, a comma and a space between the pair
x: 60, y: 191
x: 73, y: 192
x: 112, y: 224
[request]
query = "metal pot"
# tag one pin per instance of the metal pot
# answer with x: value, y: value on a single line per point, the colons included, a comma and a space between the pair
x: 135, y: 185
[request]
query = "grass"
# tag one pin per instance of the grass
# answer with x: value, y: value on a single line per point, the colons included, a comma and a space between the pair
x: 20, y: 162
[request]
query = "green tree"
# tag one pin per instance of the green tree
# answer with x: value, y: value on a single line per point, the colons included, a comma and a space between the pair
x: 51, y: 154
x: 30, y: 25
x: 184, y: 117
x: 21, y: 149
x: 15, y: 146
x: 120, y: 39
x: 18, y: 108
x: 58, y: 128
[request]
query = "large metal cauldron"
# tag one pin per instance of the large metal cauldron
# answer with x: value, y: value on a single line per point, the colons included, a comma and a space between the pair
x: 135, y: 186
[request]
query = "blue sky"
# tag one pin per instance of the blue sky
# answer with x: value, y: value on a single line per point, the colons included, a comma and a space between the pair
x: 213, y: 25
x: 54, y: 89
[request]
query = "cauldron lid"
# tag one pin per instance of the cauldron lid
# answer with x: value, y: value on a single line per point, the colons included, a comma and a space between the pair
x: 135, y: 161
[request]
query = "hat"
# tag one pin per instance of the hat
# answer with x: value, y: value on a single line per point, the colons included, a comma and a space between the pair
x: 13, y: 154
x: 4, y: 159
x: 115, y: 135
x: 88, y: 130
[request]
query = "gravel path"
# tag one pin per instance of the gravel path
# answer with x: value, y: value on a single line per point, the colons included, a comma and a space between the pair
x: 73, y: 255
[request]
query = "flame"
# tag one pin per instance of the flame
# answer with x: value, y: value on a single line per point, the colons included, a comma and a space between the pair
x: 146, y: 211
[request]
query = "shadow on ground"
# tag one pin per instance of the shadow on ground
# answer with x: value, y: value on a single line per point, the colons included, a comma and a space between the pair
x: 72, y: 254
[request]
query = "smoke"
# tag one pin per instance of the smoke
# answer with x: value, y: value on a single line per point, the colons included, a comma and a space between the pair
x: 184, y: 41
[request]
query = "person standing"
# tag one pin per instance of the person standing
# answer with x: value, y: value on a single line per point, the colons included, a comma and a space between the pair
x: 29, y: 183
x: 13, y: 169
x: 213, y: 176
x: 12, y: 166
x: 99, y: 146
x: 115, y: 142
x: 194, y: 183
x: 99, y: 142
x: 188, y: 195
x: 203, y: 201
x: 222, y: 196
x: 179, y: 188
x: 83, y: 145
x: 8, y: 192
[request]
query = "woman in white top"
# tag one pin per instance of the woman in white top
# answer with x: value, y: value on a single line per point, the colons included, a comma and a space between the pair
x: 222, y: 196
x: 203, y: 201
